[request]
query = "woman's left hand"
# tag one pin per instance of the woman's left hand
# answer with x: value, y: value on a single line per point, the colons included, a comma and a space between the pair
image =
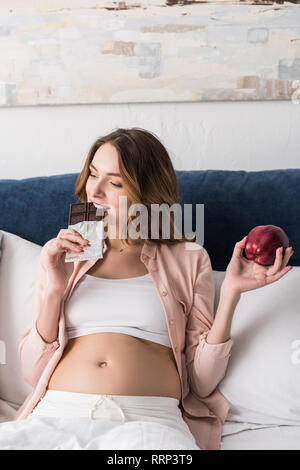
x: 243, y: 275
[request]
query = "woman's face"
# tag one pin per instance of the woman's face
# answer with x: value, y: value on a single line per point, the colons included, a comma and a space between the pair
x: 105, y: 188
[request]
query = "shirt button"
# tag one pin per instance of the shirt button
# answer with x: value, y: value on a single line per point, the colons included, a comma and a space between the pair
x: 163, y: 292
x: 153, y: 269
x: 211, y: 413
x: 171, y: 322
x: 176, y: 348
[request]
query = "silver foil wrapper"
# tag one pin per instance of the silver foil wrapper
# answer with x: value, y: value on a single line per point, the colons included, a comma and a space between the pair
x: 93, y: 231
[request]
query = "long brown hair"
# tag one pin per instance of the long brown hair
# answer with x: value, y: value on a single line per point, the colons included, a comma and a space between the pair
x: 147, y: 172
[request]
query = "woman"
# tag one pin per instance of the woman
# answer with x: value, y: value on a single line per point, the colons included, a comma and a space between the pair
x: 120, y: 362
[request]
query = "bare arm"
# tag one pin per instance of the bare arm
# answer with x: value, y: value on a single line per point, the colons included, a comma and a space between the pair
x: 47, y: 321
x: 34, y: 351
x: 220, y: 330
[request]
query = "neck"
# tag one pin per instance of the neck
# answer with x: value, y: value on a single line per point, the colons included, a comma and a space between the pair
x: 114, y: 244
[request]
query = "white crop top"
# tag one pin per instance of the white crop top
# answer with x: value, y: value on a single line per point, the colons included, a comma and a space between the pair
x: 131, y: 306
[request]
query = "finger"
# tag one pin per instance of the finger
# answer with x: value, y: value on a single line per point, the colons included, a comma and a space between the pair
x: 277, y: 266
x: 239, y: 246
x: 67, y: 245
x: 69, y: 232
x: 75, y: 232
x: 78, y: 239
x: 279, y: 275
x: 288, y: 253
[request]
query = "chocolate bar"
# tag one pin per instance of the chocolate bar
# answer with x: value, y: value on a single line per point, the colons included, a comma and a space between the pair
x: 84, y: 211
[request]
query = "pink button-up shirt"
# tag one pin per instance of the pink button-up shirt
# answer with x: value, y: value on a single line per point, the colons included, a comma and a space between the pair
x: 183, y: 277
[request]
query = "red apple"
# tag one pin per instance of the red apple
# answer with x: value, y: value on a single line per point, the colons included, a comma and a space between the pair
x: 262, y: 242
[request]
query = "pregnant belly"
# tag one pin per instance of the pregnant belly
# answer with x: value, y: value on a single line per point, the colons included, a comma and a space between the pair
x: 116, y: 364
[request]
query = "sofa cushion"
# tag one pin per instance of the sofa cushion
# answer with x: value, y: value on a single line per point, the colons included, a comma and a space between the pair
x: 262, y: 379
x: 17, y: 276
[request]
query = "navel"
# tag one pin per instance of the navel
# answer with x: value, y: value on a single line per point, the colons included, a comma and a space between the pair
x: 102, y: 364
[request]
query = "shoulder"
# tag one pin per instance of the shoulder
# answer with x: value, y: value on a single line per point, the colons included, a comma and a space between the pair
x: 185, y: 264
x: 186, y: 249
x: 189, y: 255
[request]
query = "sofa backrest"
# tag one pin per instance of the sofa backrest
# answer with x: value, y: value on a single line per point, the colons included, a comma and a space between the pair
x: 234, y: 202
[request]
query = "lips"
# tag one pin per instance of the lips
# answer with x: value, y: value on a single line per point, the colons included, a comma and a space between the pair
x: 100, y: 206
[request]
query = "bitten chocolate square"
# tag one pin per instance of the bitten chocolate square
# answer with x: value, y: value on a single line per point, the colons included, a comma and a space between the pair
x: 84, y: 211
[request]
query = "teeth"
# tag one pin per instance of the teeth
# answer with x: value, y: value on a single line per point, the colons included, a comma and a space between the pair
x: 100, y: 207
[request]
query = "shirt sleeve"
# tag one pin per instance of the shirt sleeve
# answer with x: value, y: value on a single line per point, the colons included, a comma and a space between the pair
x: 34, y: 352
x: 206, y: 363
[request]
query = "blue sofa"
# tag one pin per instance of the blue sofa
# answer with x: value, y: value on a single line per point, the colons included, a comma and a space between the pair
x: 234, y: 202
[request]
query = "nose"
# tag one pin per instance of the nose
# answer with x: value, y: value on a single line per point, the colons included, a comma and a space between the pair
x: 97, y: 193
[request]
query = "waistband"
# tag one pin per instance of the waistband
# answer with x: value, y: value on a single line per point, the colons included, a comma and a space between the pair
x: 62, y: 396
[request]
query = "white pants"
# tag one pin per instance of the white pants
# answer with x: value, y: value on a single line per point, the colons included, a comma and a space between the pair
x: 114, y: 421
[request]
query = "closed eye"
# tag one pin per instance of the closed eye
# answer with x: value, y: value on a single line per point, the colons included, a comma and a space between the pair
x: 117, y: 185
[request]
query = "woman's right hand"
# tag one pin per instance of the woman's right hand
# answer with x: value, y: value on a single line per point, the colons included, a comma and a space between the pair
x: 58, y: 271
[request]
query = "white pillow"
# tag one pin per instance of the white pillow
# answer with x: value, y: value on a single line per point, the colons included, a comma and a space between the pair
x: 262, y: 379
x: 17, y: 279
